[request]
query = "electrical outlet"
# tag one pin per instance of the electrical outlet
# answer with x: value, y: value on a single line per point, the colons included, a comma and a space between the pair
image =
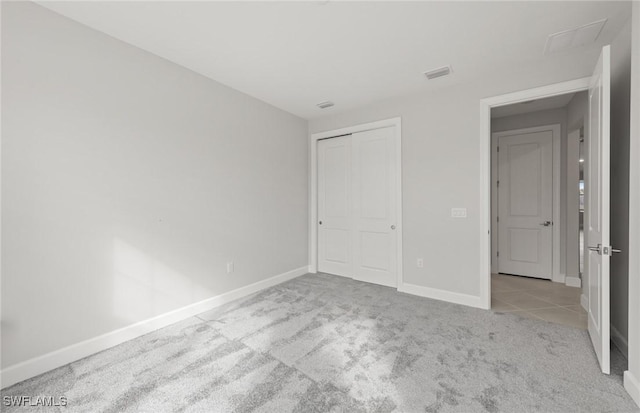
x: 229, y: 267
x: 458, y: 212
x: 420, y: 263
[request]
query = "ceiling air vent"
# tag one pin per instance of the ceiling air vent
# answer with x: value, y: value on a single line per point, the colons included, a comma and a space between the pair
x: 576, y: 37
x: 324, y: 105
x: 439, y: 72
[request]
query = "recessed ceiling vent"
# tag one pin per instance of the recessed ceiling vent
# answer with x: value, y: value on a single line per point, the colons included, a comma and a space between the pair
x: 439, y: 72
x: 576, y: 37
x: 325, y: 104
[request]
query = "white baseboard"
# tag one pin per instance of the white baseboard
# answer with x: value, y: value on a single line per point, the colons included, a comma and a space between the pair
x: 620, y: 341
x: 632, y: 386
x: 41, y: 364
x: 573, y: 281
x: 584, y: 302
x: 442, y: 295
x: 558, y: 278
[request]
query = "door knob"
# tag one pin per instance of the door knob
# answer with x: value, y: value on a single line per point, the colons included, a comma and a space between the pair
x: 546, y: 223
x: 320, y: 223
x: 393, y: 227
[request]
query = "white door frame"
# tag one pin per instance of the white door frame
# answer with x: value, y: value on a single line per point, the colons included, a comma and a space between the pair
x: 556, y: 276
x: 486, y: 104
x: 396, y: 123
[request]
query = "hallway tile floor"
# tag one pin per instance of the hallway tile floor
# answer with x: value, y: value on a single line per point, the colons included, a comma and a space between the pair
x: 538, y: 299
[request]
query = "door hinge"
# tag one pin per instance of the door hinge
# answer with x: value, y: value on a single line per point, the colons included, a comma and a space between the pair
x: 498, y: 184
x: 497, y: 219
x: 498, y: 149
x: 498, y: 254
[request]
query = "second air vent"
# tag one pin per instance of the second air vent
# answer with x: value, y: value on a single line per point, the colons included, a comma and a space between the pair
x: 439, y: 72
x: 324, y: 105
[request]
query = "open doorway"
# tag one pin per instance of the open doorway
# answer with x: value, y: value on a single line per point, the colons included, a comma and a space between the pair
x: 598, y: 249
x: 536, y: 208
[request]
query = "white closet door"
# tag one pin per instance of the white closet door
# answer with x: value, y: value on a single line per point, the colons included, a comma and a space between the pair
x: 374, y: 211
x: 335, y: 213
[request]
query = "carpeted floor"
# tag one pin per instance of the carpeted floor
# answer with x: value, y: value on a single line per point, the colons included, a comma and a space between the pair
x: 322, y: 343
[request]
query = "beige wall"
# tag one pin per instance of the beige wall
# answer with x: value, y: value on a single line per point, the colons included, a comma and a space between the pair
x: 128, y: 182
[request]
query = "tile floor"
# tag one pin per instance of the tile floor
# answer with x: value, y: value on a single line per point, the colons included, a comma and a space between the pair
x: 538, y: 299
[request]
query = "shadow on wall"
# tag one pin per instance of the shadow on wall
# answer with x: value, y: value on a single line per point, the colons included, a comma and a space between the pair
x: 144, y: 285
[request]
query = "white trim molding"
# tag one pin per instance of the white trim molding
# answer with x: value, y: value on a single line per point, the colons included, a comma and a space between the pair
x: 584, y: 302
x: 396, y: 123
x: 632, y: 386
x: 58, y: 358
x: 486, y: 104
x: 573, y: 281
x: 442, y: 295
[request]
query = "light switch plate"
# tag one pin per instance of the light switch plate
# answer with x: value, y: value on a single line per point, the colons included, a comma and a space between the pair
x: 458, y: 212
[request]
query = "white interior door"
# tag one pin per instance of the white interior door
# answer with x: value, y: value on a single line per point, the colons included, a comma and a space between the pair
x: 597, y: 210
x: 334, y: 206
x: 525, y: 203
x: 374, y: 235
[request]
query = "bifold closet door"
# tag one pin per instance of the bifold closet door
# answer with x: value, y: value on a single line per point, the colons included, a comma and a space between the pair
x: 334, y: 206
x: 356, y: 206
x: 374, y: 228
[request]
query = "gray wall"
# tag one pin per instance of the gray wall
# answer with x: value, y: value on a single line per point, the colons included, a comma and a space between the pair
x: 578, y: 111
x: 620, y: 124
x: 128, y: 183
x: 441, y: 167
x: 543, y: 118
x: 632, y: 376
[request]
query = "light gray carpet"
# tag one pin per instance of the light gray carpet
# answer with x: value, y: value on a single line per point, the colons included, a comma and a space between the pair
x: 322, y: 343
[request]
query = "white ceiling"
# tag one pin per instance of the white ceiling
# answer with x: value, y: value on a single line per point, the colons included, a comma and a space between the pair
x: 296, y: 54
x: 554, y: 102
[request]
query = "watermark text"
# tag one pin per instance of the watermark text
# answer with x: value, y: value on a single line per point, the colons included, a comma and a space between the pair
x: 34, y: 401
